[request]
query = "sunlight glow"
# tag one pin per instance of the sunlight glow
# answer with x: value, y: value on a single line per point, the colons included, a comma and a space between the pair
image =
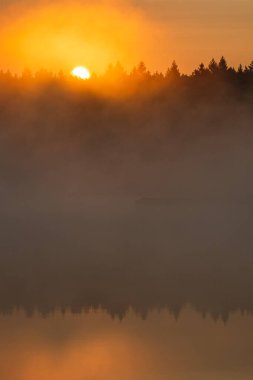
x: 81, y: 72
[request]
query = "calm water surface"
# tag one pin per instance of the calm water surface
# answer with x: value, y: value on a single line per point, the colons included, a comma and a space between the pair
x: 144, y: 294
x: 92, y: 345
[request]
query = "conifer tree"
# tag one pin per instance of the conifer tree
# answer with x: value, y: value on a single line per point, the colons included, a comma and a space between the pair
x: 250, y: 67
x: 173, y: 72
x: 213, y: 66
x: 201, y: 70
x: 222, y: 66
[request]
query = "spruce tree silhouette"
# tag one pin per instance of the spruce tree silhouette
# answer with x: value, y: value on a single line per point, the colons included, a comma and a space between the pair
x: 201, y: 70
x: 240, y: 69
x: 222, y: 66
x: 213, y: 66
x: 251, y: 67
x: 173, y: 72
x: 140, y: 73
x: 141, y: 68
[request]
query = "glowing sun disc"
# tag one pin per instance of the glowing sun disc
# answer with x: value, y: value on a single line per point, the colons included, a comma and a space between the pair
x: 80, y: 72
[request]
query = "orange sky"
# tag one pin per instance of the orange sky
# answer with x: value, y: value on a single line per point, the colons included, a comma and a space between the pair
x: 62, y: 34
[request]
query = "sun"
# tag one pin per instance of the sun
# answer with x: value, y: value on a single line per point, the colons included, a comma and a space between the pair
x: 81, y: 72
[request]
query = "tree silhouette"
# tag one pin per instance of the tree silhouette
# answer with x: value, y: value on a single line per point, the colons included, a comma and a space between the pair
x: 115, y: 72
x: 140, y: 71
x: 141, y: 68
x: 173, y: 72
x: 240, y: 69
x: 222, y: 65
x: 213, y: 66
x: 251, y: 67
x: 116, y: 76
x: 201, y: 70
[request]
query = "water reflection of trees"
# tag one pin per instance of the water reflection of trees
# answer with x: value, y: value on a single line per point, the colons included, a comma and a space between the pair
x: 125, y: 263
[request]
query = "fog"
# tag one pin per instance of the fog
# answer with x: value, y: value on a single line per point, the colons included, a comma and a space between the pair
x: 135, y: 193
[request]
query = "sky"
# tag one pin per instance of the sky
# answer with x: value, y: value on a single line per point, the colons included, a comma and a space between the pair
x: 62, y: 34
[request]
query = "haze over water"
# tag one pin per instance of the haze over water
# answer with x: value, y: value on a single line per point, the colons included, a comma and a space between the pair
x: 126, y: 191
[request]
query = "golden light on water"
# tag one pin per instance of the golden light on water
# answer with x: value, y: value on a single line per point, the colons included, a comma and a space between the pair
x: 81, y: 72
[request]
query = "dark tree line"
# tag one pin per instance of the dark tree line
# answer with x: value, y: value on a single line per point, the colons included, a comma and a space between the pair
x: 118, y: 107
x: 117, y: 71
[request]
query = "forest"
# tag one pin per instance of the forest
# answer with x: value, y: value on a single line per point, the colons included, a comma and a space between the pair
x: 119, y: 107
x: 137, y: 134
